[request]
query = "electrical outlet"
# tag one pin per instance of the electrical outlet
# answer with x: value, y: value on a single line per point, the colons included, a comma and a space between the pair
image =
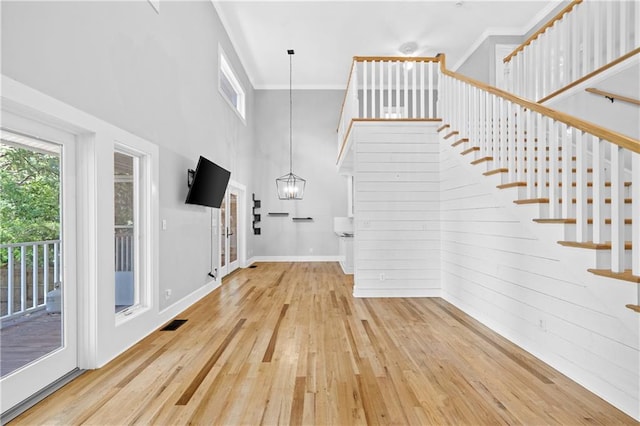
x: 311, y: 250
x: 164, y: 224
x: 382, y: 277
x: 167, y: 294
x: 543, y: 325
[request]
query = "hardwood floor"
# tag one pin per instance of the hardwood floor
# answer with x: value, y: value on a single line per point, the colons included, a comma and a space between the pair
x: 287, y: 344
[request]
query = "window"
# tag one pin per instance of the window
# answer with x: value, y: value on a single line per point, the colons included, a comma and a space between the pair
x: 230, y: 86
x: 131, y: 209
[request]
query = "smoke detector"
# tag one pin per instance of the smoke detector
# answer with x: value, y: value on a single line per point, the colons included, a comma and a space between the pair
x: 409, y: 48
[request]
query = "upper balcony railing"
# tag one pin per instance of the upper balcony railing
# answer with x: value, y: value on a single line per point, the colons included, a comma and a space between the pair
x: 389, y: 88
x: 583, y: 39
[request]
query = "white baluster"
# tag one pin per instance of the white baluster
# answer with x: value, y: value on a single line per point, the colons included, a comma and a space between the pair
x: 617, y: 209
x: 373, y: 89
x: 574, y: 47
x: 635, y: 211
x: 582, y: 193
x: 45, y: 275
x: 623, y: 11
x: 566, y: 144
x: 398, y: 109
x: 520, y: 145
x: 414, y: 90
x: 585, y: 28
x: 514, y: 156
x: 598, y: 178
x: 554, y: 211
x: 541, y: 144
x: 636, y: 27
x: 365, y: 86
x: 390, y: 106
x: 381, y: 91
x: 34, y: 286
x: 609, y: 27
x: 504, y: 153
x: 405, y: 87
x: 423, y: 94
x: 10, y: 274
x: 530, y: 144
x: 481, y: 123
x: 432, y: 113
x: 597, y: 35
x: 23, y: 278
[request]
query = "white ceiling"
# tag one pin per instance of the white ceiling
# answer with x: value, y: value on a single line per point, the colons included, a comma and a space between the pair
x: 326, y: 34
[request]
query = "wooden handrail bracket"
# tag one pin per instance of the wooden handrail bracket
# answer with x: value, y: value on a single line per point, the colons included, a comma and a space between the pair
x: 612, y: 96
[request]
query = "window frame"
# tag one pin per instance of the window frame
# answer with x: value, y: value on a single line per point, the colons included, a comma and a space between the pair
x: 226, y: 70
x: 142, y: 254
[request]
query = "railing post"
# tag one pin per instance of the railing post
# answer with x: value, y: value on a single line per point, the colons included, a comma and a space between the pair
x: 56, y: 260
x: 554, y: 211
x: 10, y: 273
x: 431, y: 87
x: 541, y: 144
x: 531, y: 167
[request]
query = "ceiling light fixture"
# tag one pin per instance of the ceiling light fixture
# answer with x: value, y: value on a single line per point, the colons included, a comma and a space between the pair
x: 290, y: 186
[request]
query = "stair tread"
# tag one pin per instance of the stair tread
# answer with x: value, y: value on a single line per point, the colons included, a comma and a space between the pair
x: 573, y: 221
x: 546, y: 200
x: 470, y: 150
x: 593, y: 246
x: 481, y: 160
x: 444, y: 126
x: 635, y: 308
x: 460, y: 141
x: 455, y: 132
x: 626, y: 275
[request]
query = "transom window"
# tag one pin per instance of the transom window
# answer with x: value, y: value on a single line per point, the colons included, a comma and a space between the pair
x: 230, y: 86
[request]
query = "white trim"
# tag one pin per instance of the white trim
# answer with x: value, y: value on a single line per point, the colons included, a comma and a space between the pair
x: 176, y: 308
x: 226, y: 69
x: 510, y: 31
x: 335, y: 258
x: 608, y: 73
x: 300, y: 87
x: 397, y: 292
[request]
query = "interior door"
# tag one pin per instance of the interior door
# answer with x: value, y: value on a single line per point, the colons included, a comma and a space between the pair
x: 229, y: 232
x: 37, y: 258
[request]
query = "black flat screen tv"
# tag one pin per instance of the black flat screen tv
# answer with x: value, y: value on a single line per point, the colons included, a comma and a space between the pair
x: 209, y: 184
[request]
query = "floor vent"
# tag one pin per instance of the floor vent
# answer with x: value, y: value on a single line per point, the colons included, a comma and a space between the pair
x: 173, y: 325
x: 253, y: 266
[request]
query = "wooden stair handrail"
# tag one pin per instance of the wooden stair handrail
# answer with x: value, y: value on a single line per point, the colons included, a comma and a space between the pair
x: 606, y: 134
x: 612, y: 96
x: 542, y: 29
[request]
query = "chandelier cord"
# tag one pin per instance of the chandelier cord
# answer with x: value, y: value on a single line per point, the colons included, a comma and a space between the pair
x: 290, y: 117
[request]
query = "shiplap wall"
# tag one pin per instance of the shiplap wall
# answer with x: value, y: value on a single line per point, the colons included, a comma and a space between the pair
x: 396, y: 206
x: 509, y: 273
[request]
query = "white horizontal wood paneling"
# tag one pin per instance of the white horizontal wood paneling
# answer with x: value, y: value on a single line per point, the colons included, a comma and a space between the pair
x: 397, y: 210
x: 509, y: 273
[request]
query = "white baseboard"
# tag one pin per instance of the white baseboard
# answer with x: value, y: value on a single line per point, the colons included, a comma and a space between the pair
x: 171, y: 311
x: 335, y: 258
x: 397, y: 292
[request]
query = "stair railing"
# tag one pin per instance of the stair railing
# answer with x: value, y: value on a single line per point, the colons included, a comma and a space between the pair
x: 543, y: 149
x: 388, y: 88
x: 584, y: 38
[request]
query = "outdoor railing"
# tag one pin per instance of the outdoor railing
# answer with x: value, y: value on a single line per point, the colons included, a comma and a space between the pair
x: 28, y: 272
x: 585, y: 38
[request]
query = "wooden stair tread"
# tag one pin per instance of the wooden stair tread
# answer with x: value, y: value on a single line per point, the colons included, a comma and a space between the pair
x: 593, y: 246
x: 470, y: 150
x: 443, y: 127
x: 573, y: 221
x: 496, y: 171
x: 511, y: 185
x: 455, y: 132
x: 481, y: 160
x: 590, y: 200
x: 626, y: 275
x: 546, y: 200
x: 460, y: 141
x: 635, y: 308
x: 589, y: 184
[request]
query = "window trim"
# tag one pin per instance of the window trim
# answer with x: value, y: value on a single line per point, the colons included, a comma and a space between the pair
x: 226, y: 69
x: 143, y: 256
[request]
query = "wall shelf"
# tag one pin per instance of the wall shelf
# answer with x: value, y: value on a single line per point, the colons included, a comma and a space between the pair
x: 302, y: 219
x: 278, y: 214
x: 256, y: 216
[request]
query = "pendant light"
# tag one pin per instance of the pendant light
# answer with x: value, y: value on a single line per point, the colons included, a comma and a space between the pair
x: 290, y: 186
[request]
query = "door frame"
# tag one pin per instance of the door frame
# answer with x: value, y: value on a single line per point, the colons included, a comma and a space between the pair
x: 241, y: 190
x: 37, y: 375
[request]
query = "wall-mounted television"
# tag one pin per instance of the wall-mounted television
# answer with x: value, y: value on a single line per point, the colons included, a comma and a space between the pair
x: 208, y: 184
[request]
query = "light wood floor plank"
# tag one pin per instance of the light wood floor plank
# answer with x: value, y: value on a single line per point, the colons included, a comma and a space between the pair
x: 286, y: 343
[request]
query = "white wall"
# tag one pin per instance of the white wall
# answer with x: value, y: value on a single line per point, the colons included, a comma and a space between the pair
x: 396, y: 210
x: 154, y: 75
x: 509, y: 273
x: 315, y: 117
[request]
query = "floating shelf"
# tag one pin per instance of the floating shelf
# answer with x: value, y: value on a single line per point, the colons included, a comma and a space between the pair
x: 278, y: 214
x: 302, y: 219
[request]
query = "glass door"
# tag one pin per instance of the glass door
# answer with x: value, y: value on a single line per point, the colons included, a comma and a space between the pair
x: 37, y: 263
x: 229, y: 232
